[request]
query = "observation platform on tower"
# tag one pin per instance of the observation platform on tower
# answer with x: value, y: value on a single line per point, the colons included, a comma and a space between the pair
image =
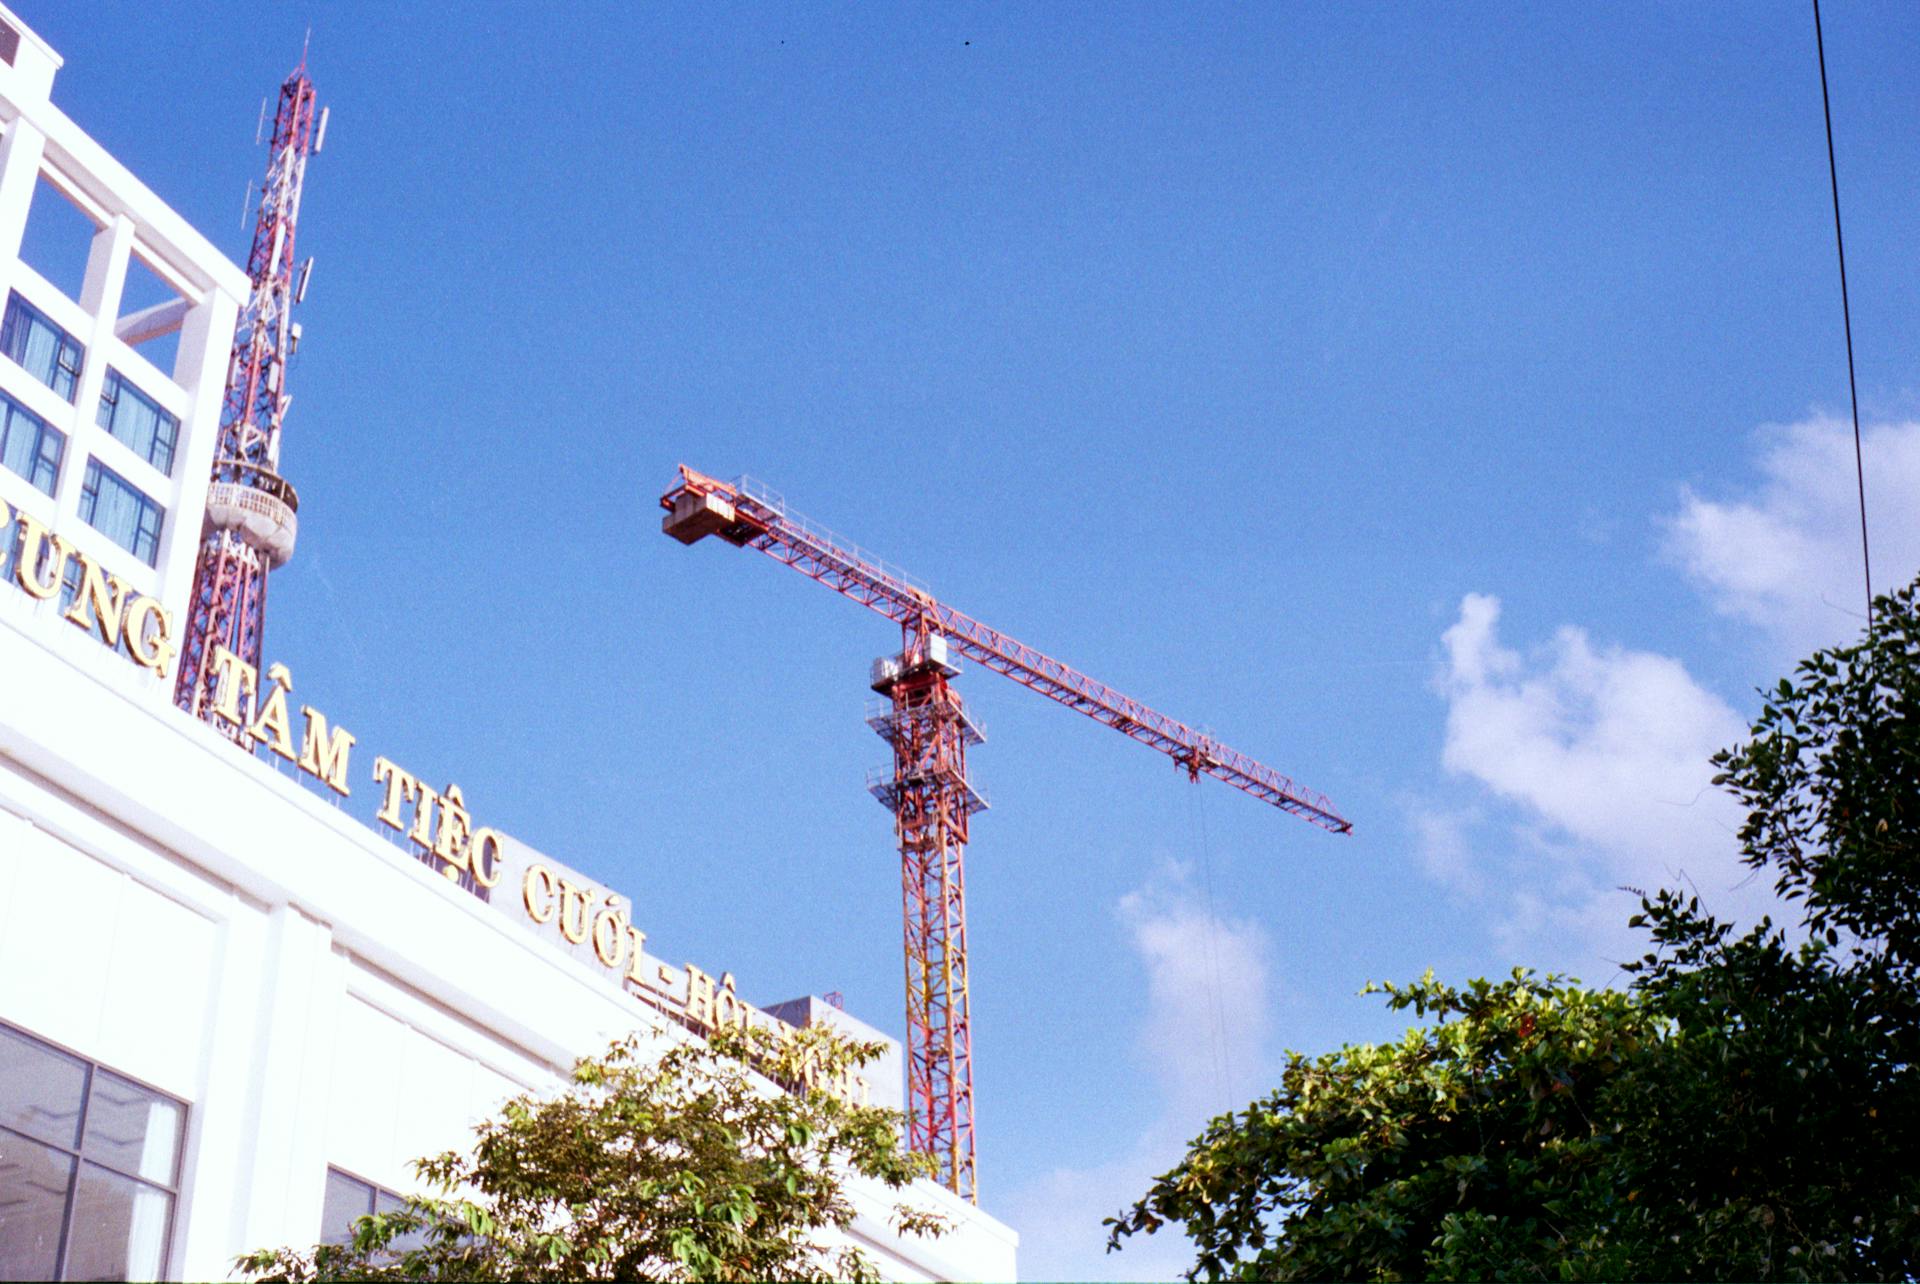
x: 258, y: 505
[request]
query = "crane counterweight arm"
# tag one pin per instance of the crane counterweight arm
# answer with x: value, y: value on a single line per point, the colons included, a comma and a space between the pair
x: 748, y: 515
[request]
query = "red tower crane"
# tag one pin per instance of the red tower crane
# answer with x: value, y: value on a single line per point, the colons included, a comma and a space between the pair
x: 250, y: 522
x: 922, y: 718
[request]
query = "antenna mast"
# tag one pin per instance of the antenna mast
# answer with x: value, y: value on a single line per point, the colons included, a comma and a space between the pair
x: 250, y: 518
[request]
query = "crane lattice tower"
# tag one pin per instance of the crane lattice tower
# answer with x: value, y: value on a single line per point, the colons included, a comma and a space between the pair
x: 928, y: 790
x: 931, y: 800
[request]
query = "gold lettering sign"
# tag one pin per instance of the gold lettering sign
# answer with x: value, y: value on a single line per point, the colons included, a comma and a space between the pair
x: 325, y: 751
x: 536, y: 893
x: 702, y: 1002
x: 150, y: 635
x: 323, y: 754
x: 103, y: 594
x: 439, y: 821
x: 270, y: 725
x: 104, y: 603
x: 441, y: 824
x: 43, y: 558
x: 486, y: 857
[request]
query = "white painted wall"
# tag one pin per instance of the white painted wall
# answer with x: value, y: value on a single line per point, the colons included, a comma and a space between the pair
x: 189, y: 917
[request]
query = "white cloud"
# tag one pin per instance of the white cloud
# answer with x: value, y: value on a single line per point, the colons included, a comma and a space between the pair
x: 1204, y: 1039
x: 1206, y: 1030
x: 1786, y: 558
x: 1598, y: 755
x: 1601, y: 757
x: 1609, y: 745
x: 1592, y: 769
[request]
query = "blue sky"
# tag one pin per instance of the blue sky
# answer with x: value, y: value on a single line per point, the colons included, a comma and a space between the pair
x: 1437, y: 404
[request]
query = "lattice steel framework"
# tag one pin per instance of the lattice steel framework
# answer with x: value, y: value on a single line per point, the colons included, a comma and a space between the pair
x: 250, y: 523
x: 932, y: 800
x: 928, y: 790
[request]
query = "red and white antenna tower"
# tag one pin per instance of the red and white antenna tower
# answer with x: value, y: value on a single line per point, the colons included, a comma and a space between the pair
x: 250, y: 519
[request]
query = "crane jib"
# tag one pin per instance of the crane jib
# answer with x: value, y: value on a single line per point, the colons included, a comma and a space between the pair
x: 747, y: 520
x: 925, y: 723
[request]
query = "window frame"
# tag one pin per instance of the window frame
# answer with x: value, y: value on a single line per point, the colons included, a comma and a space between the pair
x: 81, y: 1156
x: 380, y: 1199
x: 112, y: 388
x: 90, y: 485
x: 10, y: 408
x: 20, y: 312
x: 374, y: 1190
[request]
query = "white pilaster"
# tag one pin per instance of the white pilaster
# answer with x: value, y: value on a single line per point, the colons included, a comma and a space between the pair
x: 283, y: 1160
x: 100, y: 296
x: 20, y: 152
x: 200, y: 367
x: 211, y: 1188
x: 107, y: 270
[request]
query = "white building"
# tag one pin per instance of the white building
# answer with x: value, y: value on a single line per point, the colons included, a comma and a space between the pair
x: 230, y: 1013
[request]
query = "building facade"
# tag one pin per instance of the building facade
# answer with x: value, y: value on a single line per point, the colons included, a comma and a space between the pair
x: 231, y: 1013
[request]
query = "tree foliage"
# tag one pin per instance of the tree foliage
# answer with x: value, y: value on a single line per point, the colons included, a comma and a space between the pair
x: 688, y: 1165
x: 1748, y: 1109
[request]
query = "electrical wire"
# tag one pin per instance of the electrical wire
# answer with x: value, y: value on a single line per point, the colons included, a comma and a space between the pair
x: 1846, y: 314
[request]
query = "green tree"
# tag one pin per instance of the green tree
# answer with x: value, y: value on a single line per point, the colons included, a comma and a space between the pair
x: 1749, y: 1109
x: 688, y: 1165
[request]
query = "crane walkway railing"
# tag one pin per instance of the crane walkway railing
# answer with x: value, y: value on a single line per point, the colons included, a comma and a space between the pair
x: 851, y: 571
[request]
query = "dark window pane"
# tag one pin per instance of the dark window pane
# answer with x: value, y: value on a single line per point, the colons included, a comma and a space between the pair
x: 120, y: 511
x: 138, y: 420
x: 348, y: 1198
x: 47, y: 352
x: 119, y: 1228
x: 29, y: 446
x: 40, y: 1090
x: 33, y: 1196
x: 132, y: 1128
x: 46, y: 466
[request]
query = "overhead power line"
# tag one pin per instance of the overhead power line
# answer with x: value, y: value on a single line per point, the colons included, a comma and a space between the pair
x: 1846, y: 314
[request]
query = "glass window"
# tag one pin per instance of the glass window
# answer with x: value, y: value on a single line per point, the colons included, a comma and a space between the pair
x: 29, y: 445
x: 101, y: 1209
x: 349, y: 1199
x: 41, y: 1089
x: 138, y: 420
x: 34, y: 1180
x: 119, y: 1227
x: 121, y: 511
x: 42, y: 348
x: 132, y: 1128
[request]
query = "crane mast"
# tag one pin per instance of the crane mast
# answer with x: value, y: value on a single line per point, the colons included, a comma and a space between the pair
x: 931, y: 799
x: 928, y: 791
